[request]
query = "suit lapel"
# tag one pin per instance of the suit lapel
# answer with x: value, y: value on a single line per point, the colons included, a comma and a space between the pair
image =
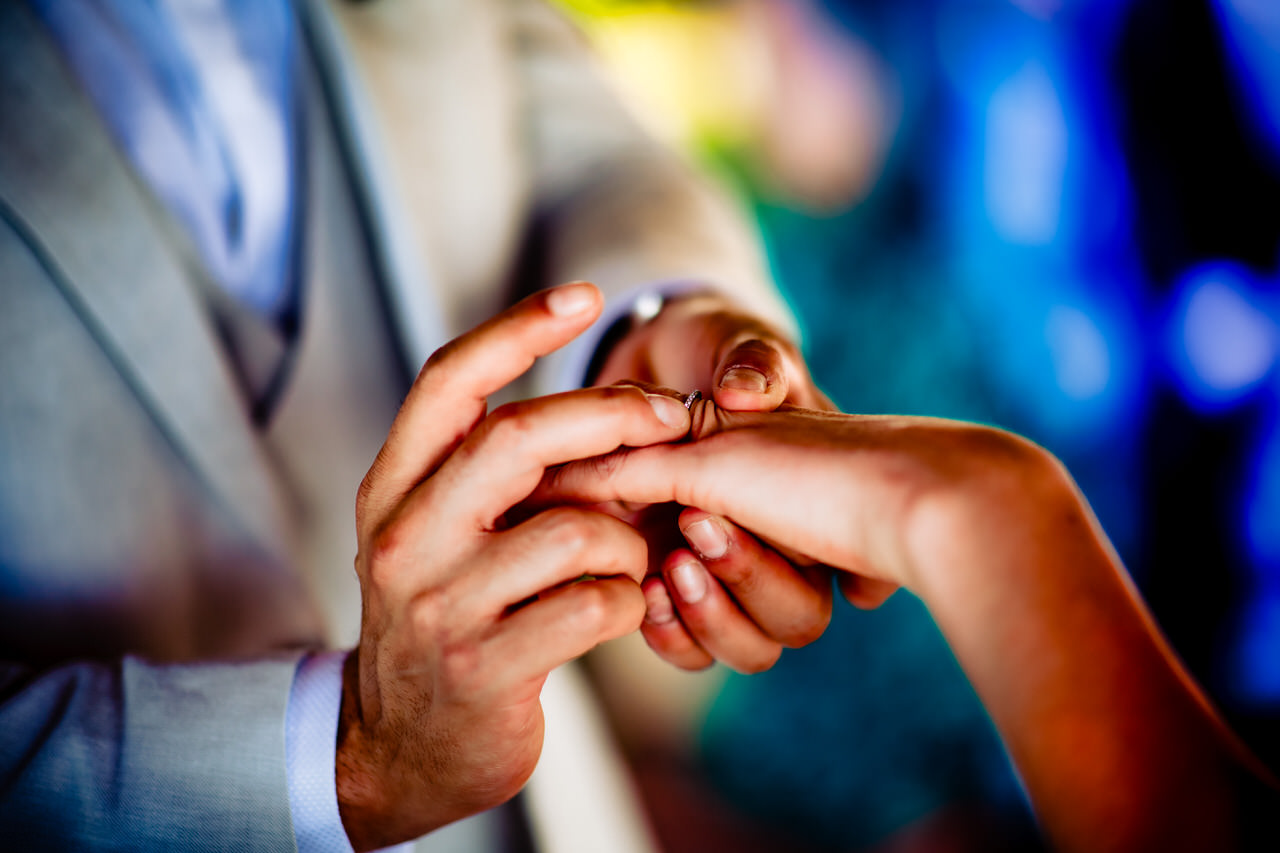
x: 405, y: 273
x: 99, y: 232
x: 425, y: 100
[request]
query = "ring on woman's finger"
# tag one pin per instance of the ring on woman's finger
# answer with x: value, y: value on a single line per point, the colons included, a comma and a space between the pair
x: 694, y: 396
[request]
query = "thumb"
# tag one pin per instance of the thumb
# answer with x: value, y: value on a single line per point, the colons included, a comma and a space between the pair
x: 751, y: 377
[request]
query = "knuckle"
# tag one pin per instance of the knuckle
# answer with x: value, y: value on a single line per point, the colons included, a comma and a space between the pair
x: 510, y: 424
x: 592, y: 611
x: 459, y: 664
x: 387, y: 554
x: 600, y: 612
x: 629, y: 618
x: 566, y: 531
x: 443, y: 370
x: 440, y: 358
x: 737, y: 573
x: 622, y: 395
x: 607, y: 465
x: 430, y: 606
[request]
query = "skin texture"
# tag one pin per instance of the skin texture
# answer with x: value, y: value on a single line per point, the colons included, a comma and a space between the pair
x: 469, y: 602
x: 704, y: 341
x: 463, y: 614
x: 1117, y: 746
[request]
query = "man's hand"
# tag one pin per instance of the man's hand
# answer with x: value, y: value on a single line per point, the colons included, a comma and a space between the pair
x: 465, y: 614
x: 864, y: 495
x: 706, y: 604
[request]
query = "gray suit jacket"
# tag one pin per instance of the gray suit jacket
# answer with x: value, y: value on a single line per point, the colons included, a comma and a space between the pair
x: 164, y: 559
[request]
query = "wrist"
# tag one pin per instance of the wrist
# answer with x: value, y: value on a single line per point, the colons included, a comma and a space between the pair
x: 360, y: 804
x: 984, y: 514
x: 626, y: 349
x: 644, y: 308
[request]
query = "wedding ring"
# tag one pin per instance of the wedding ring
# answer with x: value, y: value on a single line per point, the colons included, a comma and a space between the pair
x: 694, y: 396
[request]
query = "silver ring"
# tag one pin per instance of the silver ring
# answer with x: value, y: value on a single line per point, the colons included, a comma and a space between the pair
x: 694, y: 396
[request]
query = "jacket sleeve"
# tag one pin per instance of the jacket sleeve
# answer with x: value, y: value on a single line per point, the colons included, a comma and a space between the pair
x: 135, y: 756
x: 119, y: 754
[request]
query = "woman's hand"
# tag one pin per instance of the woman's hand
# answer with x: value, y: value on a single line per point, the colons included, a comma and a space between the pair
x: 856, y: 493
x: 704, y: 340
x: 1117, y: 746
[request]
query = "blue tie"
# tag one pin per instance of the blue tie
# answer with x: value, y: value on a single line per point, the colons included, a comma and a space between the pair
x: 200, y: 95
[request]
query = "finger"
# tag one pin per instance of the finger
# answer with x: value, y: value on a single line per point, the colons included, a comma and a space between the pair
x: 564, y: 624
x: 448, y: 397
x: 654, y: 388
x: 665, y: 633
x: 552, y: 548
x: 713, y: 619
x: 791, y: 605
x: 662, y: 473
x: 503, y: 460
x: 738, y: 467
x: 751, y: 375
x: 864, y: 592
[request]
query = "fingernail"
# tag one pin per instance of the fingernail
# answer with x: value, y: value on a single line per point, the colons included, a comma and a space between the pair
x: 744, y: 379
x: 570, y: 299
x: 669, y: 410
x: 707, y: 538
x: 658, y: 607
x: 690, y: 581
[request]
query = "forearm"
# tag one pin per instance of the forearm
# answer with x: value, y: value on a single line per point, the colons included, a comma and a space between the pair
x: 1117, y: 747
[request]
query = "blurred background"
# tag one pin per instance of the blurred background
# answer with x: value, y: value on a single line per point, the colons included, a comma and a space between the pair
x: 1061, y: 217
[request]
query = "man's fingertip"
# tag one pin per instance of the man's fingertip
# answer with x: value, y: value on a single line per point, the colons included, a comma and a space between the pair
x: 570, y: 300
x: 670, y: 411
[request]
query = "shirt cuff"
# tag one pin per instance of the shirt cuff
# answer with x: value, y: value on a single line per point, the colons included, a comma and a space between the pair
x: 310, y: 746
x: 642, y: 302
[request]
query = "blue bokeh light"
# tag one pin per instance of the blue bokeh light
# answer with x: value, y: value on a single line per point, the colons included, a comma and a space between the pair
x: 1255, y: 670
x: 1080, y: 353
x: 1251, y: 36
x: 1036, y: 200
x: 1026, y: 157
x: 1222, y: 341
x: 1262, y: 514
x: 1256, y: 676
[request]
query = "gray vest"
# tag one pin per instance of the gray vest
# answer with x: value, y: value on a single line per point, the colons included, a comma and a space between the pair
x: 328, y: 396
